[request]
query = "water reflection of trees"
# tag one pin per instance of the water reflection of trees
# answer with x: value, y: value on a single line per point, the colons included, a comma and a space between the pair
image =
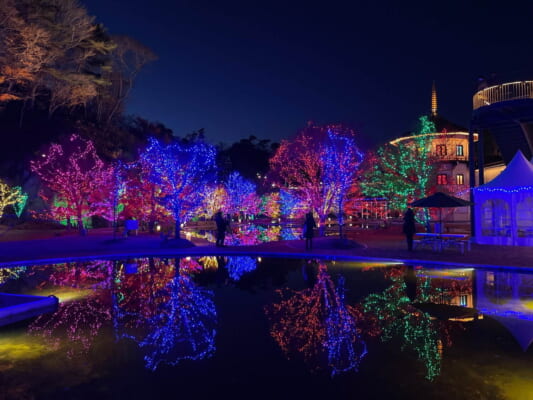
x: 398, y: 318
x: 179, y: 322
x: 238, y: 266
x: 316, y: 325
x: 77, y: 321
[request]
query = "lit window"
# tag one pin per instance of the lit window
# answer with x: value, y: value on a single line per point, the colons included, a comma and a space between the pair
x: 463, y: 300
x: 442, y: 179
x: 441, y: 149
x: 460, y: 178
x: 459, y: 150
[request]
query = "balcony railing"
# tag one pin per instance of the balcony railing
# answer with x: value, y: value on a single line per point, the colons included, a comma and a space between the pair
x: 504, y: 92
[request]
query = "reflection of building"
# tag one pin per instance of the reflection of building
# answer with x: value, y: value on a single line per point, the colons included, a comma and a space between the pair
x: 454, y: 285
x: 448, y: 146
x: 508, y: 298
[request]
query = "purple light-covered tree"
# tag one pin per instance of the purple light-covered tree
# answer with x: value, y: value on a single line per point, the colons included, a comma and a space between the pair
x: 242, y: 195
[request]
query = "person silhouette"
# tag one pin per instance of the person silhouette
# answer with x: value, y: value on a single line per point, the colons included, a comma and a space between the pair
x: 222, y: 225
x: 308, y: 233
x: 409, y: 228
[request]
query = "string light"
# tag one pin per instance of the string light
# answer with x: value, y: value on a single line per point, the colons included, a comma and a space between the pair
x: 316, y: 325
x: 12, y: 196
x: 238, y: 266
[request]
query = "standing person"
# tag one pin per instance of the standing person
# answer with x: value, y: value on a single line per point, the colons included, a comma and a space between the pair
x: 309, y: 225
x: 409, y: 228
x: 222, y: 225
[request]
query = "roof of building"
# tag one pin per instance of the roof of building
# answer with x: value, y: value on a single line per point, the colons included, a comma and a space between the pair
x: 444, y: 125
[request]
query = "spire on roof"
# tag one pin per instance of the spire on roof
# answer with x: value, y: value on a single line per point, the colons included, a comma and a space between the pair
x: 433, y: 100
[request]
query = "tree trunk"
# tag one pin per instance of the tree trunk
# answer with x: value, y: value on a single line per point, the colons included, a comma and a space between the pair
x: 177, y: 227
x: 80, y: 224
x: 340, y: 219
x: 322, y: 225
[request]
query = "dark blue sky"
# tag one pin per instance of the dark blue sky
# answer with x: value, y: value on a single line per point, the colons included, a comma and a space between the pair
x: 238, y: 68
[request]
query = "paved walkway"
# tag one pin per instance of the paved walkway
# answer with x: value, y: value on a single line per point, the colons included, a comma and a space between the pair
x: 379, y: 244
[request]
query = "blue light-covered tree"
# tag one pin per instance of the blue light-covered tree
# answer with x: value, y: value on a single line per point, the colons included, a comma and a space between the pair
x: 341, y: 161
x: 182, y: 169
x: 242, y: 195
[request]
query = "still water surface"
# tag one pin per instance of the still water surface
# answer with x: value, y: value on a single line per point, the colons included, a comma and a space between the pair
x: 246, y: 327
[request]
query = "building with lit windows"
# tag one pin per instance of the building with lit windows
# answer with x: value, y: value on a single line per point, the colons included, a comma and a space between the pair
x: 449, y: 148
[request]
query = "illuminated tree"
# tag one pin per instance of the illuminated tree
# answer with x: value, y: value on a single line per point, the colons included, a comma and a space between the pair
x: 213, y: 198
x: 12, y: 196
x: 316, y: 325
x: 341, y: 160
x: 182, y: 169
x: 142, y: 197
x: 50, y: 50
x: 242, y: 197
x: 270, y: 204
x: 290, y: 205
x: 75, y: 173
x: 318, y: 166
x: 402, y: 172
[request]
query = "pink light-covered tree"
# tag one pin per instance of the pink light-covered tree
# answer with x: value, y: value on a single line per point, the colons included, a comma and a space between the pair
x: 75, y: 173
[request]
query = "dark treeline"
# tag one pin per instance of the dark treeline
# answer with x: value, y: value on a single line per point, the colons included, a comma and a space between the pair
x: 61, y: 73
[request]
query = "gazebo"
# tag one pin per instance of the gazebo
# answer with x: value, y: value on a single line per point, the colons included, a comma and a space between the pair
x: 504, y: 206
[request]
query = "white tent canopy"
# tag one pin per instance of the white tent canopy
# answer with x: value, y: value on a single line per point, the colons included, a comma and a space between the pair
x: 504, y: 206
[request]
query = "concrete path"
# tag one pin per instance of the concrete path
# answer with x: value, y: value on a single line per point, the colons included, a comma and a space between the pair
x: 378, y: 244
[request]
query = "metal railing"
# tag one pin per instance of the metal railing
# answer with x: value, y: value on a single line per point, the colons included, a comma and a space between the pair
x: 503, y: 92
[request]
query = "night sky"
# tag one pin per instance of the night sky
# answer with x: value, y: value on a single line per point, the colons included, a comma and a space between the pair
x: 264, y: 68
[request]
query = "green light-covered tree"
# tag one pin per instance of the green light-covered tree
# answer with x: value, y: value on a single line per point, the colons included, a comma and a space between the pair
x: 403, y: 171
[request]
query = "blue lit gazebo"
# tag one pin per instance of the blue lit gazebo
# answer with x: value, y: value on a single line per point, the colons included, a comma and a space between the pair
x: 504, y: 206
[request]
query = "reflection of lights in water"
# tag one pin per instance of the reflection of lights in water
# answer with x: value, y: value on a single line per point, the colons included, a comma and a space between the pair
x: 209, y: 262
x: 18, y: 347
x: 528, y: 304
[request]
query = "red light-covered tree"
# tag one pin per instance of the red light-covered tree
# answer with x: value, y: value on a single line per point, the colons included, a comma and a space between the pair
x: 318, y: 166
x: 74, y: 172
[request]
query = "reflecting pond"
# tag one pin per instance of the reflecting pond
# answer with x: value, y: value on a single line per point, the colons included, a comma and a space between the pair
x: 268, y: 327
